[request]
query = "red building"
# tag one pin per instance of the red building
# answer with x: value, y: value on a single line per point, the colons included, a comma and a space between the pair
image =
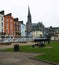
x: 9, y: 24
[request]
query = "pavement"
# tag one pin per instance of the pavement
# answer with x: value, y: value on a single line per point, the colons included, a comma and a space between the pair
x: 18, y: 58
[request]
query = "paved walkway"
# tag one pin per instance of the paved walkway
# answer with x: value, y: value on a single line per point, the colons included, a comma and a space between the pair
x: 17, y: 58
x: 12, y: 45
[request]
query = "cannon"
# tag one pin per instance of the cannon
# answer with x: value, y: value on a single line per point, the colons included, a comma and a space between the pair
x: 41, y: 42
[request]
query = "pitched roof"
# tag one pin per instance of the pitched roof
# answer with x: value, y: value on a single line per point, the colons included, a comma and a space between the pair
x: 37, y: 26
x: 2, y: 12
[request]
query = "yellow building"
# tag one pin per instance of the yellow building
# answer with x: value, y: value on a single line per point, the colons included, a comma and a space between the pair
x: 37, y: 29
x: 37, y: 33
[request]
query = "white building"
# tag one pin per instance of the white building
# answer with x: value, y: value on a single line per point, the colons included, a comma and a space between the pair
x: 1, y: 21
x: 22, y: 29
x: 37, y: 33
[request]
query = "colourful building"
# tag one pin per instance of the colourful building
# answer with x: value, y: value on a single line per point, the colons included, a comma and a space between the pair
x: 22, y: 29
x: 37, y: 29
x: 9, y: 24
x: 16, y: 27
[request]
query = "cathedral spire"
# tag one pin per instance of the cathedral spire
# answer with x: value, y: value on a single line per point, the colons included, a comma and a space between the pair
x: 29, y: 22
x: 29, y: 15
x: 29, y: 11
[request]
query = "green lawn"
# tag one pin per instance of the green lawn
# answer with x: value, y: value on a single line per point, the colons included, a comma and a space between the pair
x: 49, y: 54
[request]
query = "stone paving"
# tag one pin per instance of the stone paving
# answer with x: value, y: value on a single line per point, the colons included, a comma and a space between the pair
x: 18, y: 58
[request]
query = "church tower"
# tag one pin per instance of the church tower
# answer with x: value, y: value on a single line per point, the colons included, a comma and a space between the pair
x: 29, y: 22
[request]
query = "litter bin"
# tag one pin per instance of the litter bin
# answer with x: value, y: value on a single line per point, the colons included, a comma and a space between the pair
x: 16, y: 47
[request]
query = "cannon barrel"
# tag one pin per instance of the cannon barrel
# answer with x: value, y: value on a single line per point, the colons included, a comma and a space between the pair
x: 42, y: 39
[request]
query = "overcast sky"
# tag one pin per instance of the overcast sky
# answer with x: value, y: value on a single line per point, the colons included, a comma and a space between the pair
x: 45, y: 11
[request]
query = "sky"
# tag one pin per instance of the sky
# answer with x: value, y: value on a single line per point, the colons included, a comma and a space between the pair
x: 45, y: 11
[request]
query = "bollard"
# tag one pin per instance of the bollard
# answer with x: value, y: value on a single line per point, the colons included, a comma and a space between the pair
x: 16, y: 47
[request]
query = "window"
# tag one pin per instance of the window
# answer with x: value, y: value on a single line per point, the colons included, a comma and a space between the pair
x: 11, y: 20
x: 11, y: 25
x: 11, y: 31
x: 6, y: 30
x: 1, y: 23
x: 7, y: 25
x: 6, y: 19
x: 1, y: 18
x: 1, y: 30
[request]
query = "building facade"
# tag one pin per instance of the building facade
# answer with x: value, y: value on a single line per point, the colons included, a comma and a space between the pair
x: 37, y: 34
x: 16, y: 27
x: 1, y: 22
x: 53, y: 32
x: 22, y: 28
x: 8, y: 24
x: 37, y: 30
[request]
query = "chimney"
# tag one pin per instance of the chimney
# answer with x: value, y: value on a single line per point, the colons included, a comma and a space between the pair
x: 21, y: 22
x: 16, y: 19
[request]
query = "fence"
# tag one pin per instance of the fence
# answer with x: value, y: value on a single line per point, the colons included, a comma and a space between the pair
x: 16, y: 40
